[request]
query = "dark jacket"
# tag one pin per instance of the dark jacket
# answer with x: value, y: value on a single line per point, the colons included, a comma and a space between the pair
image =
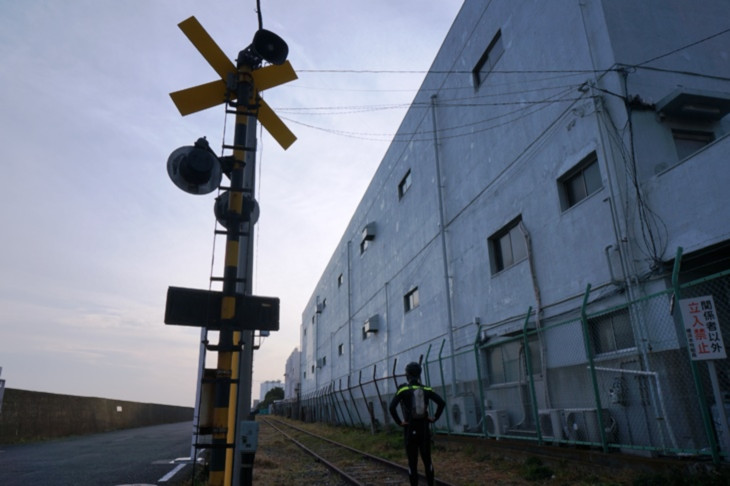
x: 404, y: 397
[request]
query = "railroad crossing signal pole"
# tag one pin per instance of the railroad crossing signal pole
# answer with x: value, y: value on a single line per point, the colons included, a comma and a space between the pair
x: 239, y: 313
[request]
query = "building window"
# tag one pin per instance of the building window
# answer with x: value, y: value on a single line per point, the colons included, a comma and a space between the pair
x: 341, y: 349
x: 688, y: 142
x: 506, y: 361
x: 405, y: 183
x: 410, y: 300
x: 489, y: 59
x: 580, y: 182
x: 340, y: 280
x: 312, y: 369
x: 507, y: 246
x: 611, y: 332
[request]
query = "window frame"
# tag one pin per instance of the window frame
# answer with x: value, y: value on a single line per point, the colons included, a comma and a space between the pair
x: 496, y: 245
x: 405, y: 183
x: 568, y: 196
x: 691, y: 135
x: 491, y: 56
x: 601, y: 342
x: 411, y: 300
x: 509, y: 357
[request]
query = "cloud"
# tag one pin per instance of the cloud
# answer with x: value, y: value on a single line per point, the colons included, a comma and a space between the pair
x: 93, y: 230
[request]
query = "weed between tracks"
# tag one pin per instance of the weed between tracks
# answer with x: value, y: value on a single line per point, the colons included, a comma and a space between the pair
x: 279, y: 462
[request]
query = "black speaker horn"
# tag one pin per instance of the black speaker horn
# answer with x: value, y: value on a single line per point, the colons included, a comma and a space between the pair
x: 195, y: 169
x: 269, y: 46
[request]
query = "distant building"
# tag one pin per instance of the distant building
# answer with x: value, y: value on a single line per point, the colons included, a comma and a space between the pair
x: 2, y: 390
x: 292, y: 375
x: 552, y: 146
x: 267, y: 386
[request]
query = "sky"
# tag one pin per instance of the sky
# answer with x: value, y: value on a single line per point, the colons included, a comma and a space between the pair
x: 94, y: 232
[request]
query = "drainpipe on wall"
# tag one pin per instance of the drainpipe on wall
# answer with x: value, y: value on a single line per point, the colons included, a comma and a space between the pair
x: 442, y: 231
x: 349, y: 310
x: 538, y: 314
x: 316, y: 344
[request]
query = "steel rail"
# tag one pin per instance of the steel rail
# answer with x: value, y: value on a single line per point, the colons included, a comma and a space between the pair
x: 376, y: 459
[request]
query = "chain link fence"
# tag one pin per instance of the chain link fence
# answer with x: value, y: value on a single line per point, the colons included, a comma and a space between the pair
x: 620, y: 378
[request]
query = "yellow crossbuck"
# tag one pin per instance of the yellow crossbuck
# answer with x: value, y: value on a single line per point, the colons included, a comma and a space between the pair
x: 207, y: 95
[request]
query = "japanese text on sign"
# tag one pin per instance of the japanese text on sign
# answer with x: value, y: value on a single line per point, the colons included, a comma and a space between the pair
x: 702, y: 328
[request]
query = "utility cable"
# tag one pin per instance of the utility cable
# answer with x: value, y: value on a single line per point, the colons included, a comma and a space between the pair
x: 399, y: 136
x: 687, y: 46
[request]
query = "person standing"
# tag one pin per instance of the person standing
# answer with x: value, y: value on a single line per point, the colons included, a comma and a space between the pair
x: 413, y: 398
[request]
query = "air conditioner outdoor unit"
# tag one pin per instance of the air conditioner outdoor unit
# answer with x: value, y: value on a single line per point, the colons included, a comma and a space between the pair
x: 463, y: 412
x: 368, y: 232
x: 497, y: 422
x: 581, y: 424
x: 551, y: 424
x: 371, y: 325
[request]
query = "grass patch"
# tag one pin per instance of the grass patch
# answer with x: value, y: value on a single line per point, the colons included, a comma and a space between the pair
x: 534, y: 470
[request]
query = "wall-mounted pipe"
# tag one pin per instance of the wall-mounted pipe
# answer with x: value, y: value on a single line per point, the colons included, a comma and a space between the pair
x: 482, y: 402
x: 665, y: 417
x: 442, y: 234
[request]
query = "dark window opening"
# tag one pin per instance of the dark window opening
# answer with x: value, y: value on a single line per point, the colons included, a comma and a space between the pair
x: 580, y: 182
x: 508, y: 246
x: 410, y: 300
x: 489, y: 59
x: 688, y: 142
x: 404, y: 184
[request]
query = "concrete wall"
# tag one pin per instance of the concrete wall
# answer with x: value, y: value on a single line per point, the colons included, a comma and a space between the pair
x: 31, y: 416
x: 482, y: 155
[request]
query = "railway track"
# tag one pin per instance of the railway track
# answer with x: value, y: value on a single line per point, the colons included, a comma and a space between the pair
x: 352, y: 465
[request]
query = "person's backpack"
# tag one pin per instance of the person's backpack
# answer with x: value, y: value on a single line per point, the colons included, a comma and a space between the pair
x: 418, y: 403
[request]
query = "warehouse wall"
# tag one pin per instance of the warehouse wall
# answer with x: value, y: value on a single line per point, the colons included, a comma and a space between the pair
x: 30, y: 416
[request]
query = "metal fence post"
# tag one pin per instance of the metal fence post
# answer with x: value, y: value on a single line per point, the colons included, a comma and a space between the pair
x: 528, y: 370
x: 443, y: 387
x: 591, y: 364
x: 344, y: 403
x: 704, y: 409
x: 427, y: 377
x: 335, y: 404
x: 482, y: 406
x: 380, y: 398
x: 354, y: 403
x: 371, y: 411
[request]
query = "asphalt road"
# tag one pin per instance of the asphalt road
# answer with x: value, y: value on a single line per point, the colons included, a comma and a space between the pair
x: 128, y: 457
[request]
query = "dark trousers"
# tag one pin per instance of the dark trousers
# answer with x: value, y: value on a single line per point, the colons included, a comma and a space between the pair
x: 418, y: 440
